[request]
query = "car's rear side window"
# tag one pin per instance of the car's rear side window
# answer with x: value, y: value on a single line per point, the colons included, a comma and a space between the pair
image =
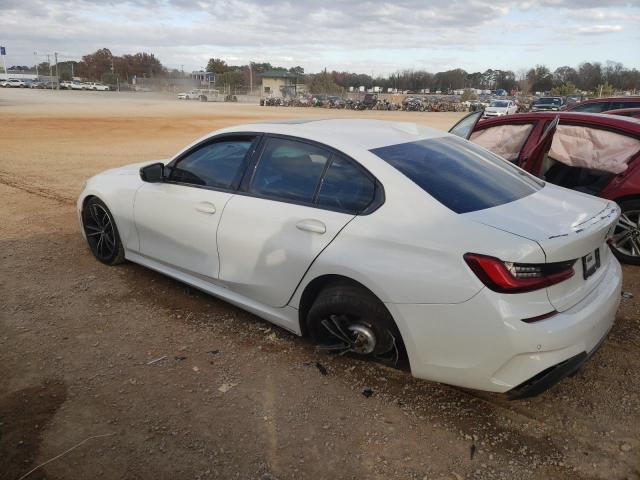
x: 460, y: 175
x: 617, y: 105
x: 345, y: 186
x: 289, y: 170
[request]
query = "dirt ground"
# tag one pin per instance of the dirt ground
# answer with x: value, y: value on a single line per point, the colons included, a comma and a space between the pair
x: 77, y: 339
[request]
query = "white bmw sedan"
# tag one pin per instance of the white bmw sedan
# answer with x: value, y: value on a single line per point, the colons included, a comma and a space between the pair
x: 387, y: 240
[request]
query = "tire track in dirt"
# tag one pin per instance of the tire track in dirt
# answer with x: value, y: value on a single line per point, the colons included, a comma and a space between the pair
x: 11, y: 180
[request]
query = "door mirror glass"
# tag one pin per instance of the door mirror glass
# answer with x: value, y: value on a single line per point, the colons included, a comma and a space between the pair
x: 153, y: 173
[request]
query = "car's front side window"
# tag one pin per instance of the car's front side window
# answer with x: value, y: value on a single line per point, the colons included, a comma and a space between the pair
x: 289, y: 170
x: 218, y: 164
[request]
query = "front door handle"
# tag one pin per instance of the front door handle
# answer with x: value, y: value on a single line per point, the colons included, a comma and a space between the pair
x: 206, y: 207
x: 310, y: 225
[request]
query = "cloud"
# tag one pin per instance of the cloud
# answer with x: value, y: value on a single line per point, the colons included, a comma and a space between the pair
x: 313, y: 33
x: 600, y: 29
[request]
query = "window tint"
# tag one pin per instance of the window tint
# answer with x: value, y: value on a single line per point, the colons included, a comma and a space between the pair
x: 289, y: 170
x: 217, y: 164
x: 345, y: 186
x: 459, y: 174
x: 621, y: 104
x: 595, y: 107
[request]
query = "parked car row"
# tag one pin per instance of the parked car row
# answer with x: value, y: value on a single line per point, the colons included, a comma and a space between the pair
x: 578, y: 104
x: 21, y: 83
x: 64, y: 85
x: 75, y: 85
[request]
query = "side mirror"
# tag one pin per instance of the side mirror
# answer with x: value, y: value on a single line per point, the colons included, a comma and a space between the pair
x: 153, y: 173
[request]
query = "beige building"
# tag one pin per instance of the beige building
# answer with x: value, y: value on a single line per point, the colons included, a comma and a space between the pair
x: 277, y: 83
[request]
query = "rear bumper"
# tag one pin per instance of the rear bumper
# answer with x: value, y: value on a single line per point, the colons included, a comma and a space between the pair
x: 552, y: 375
x: 484, y: 344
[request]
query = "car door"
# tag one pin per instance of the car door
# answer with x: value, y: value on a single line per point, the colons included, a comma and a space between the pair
x: 177, y: 219
x: 532, y: 157
x: 291, y: 206
x: 464, y: 128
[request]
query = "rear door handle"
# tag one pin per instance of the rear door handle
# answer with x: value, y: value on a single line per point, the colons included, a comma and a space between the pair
x: 310, y: 225
x: 206, y: 207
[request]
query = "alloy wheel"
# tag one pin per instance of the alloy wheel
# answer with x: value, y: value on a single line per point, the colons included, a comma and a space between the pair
x: 350, y: 334
x: 626, y: 237
x: 98, y: 227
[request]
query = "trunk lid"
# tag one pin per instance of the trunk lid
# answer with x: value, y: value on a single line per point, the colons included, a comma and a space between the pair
x: 568, y: 226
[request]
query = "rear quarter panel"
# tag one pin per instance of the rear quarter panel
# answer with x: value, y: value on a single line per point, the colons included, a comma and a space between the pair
x: 411, y: 249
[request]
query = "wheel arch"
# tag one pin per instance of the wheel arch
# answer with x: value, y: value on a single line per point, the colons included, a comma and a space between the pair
x: 315, y: 286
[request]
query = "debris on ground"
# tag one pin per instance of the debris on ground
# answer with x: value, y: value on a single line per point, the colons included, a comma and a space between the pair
x: 179, y: 358
x: 321, y: 368
x: 472, y: 450
x: 213, y: 352
x: 367, y: 392
x: 225, y: 387
x: 627, y: 295
x: 156, y: 360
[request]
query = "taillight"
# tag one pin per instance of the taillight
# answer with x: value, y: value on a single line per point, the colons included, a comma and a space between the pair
x: 510, y: 277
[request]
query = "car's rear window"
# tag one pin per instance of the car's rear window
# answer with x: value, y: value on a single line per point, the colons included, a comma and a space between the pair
x: 460, y: 175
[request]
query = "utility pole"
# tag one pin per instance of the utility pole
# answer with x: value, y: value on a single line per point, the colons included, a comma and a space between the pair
x: 72, y: 64
x: 55, y: 54
x: 35, y: 54
x: 50, y: 72
x: 251, y: 79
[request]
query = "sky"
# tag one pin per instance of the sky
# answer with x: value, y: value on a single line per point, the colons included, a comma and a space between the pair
x: 370, y: 37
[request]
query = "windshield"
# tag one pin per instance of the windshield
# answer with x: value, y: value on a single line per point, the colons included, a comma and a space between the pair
x: 499, y: 103
x: 548, y: 100
x: 462, y: 176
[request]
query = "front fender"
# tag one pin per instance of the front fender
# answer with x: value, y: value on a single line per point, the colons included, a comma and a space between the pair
x: 118, y: 194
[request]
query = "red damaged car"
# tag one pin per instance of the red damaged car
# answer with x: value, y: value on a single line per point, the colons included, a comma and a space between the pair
x: 592, y: 153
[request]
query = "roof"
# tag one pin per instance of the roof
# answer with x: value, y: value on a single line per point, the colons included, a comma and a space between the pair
x: 629, y: 124
x: 360, y: 134
x: 633, y: 98
x: 278, y: 74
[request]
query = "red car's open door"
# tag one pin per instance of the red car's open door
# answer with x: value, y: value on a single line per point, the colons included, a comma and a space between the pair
x: 531, y: 159
x: 465, y: 127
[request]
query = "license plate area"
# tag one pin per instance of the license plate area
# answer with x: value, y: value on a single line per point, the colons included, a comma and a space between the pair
x: 590, y: 263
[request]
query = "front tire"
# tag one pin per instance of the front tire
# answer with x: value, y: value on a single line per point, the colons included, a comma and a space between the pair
x: 101, y: 232
x: 347, y: 318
